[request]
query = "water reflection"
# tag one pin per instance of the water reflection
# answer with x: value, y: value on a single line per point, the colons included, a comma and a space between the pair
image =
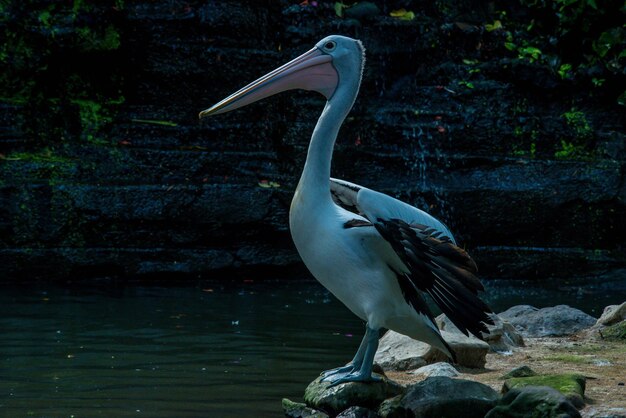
x: 216, y: 350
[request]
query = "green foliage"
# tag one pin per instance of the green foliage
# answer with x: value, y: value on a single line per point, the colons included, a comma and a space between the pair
x: 107, y: 40
x: 530, y: 53
x: 46, y: 155
x: 578, y: 38
x: 94, y: 116
x: 531, y: 153
x: 570, y: 151
x: 565, y: 71
x: 577, y: 122
x: 35, y: 34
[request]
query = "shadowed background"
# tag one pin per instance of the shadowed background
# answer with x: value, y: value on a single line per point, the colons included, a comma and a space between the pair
x: 504, y: 120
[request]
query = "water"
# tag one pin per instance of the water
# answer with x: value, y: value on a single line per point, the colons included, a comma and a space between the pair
x: 219, y: 350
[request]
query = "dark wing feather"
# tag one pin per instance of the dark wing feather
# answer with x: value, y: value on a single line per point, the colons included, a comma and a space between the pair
x: 414, y: 298
x: 344, y: 195
x: 441, y: 269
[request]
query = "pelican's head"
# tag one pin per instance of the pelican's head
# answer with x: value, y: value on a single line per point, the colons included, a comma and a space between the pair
x: 333, y: 59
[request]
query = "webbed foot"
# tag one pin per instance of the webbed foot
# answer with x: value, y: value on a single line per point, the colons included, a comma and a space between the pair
x: 355, y: 376
x: 348, y: 368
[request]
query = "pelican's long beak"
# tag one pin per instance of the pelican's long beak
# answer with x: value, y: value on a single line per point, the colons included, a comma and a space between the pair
x: 312, y: 70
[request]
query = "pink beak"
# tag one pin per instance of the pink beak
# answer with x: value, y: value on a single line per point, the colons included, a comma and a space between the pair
x: 312, y: 70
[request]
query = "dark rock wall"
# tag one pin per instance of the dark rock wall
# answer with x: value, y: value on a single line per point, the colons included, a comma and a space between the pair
x: 105, y: 169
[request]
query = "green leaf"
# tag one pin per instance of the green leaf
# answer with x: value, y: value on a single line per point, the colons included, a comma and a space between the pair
x: 339, y: 8
x: 402, y: 14
x: 155, y: 122
x: 621, y: 100
x: 565, y: 71
x: 490, y: 27
x: 469, y: 61
x: 510, y: 46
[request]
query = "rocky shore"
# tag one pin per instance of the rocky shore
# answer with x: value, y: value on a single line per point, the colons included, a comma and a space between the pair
x: 550, y: 362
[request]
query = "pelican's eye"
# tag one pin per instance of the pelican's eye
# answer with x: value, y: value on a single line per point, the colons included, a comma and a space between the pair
x: 330, y: 45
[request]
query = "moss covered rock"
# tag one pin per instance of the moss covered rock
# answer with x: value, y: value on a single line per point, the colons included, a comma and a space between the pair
x: 299, y: 410
x: 534, y: 401
x: 616, y: 332
x: 570, y: 385
x: 333, y: 400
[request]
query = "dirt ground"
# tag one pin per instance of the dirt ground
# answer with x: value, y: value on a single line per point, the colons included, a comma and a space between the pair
x: 602, y: 362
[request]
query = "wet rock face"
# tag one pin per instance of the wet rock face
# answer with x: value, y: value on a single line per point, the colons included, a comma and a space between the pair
x: 101, y: 153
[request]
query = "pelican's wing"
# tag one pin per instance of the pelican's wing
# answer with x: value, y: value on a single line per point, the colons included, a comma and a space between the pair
x: 430, y: 260
x: 381, y: 205
x: 441, y: 269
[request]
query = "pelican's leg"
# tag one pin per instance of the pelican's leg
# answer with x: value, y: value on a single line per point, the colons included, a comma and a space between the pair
x: 356, y: 362
x: 363, y: 373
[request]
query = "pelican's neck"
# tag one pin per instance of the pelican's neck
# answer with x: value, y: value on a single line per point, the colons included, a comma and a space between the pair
x: 315, y: 179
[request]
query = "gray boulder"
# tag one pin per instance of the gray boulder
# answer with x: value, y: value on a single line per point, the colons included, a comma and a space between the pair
x: 502, y: 336
x: 335, y: 399
x: 613, y: 314
x: 547, y: 322
x: 437, y: 369
x: 534, y: 401
x: 399, y: 352
x: 442, y: 397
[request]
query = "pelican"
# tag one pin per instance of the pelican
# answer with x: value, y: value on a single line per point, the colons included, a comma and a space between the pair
x: 376, y: 254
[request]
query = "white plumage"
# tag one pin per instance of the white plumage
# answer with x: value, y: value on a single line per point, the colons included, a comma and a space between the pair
x: 375, y: 253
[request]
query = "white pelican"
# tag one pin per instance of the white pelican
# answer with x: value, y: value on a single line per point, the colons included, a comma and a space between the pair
x: 374, y: 253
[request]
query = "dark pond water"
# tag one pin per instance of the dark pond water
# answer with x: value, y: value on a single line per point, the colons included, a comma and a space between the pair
x: 217, y: 350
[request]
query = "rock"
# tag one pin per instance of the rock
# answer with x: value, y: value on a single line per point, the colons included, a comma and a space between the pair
x: 399, y: 352
x: 389, y: 406
x: 358, y: 412
x: 299, y: 410
x: 521, y: 371
x: 612, y: 314
x: 470, y: 351
x: 442, y: 397
x: 534, y: 401
x: 332, y: 400
x: 547, y: 322
x: 502, y: 336
x: 616, y: 332
x: 571, y: 386
x: 600, y: 411
x: 437, y: 369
